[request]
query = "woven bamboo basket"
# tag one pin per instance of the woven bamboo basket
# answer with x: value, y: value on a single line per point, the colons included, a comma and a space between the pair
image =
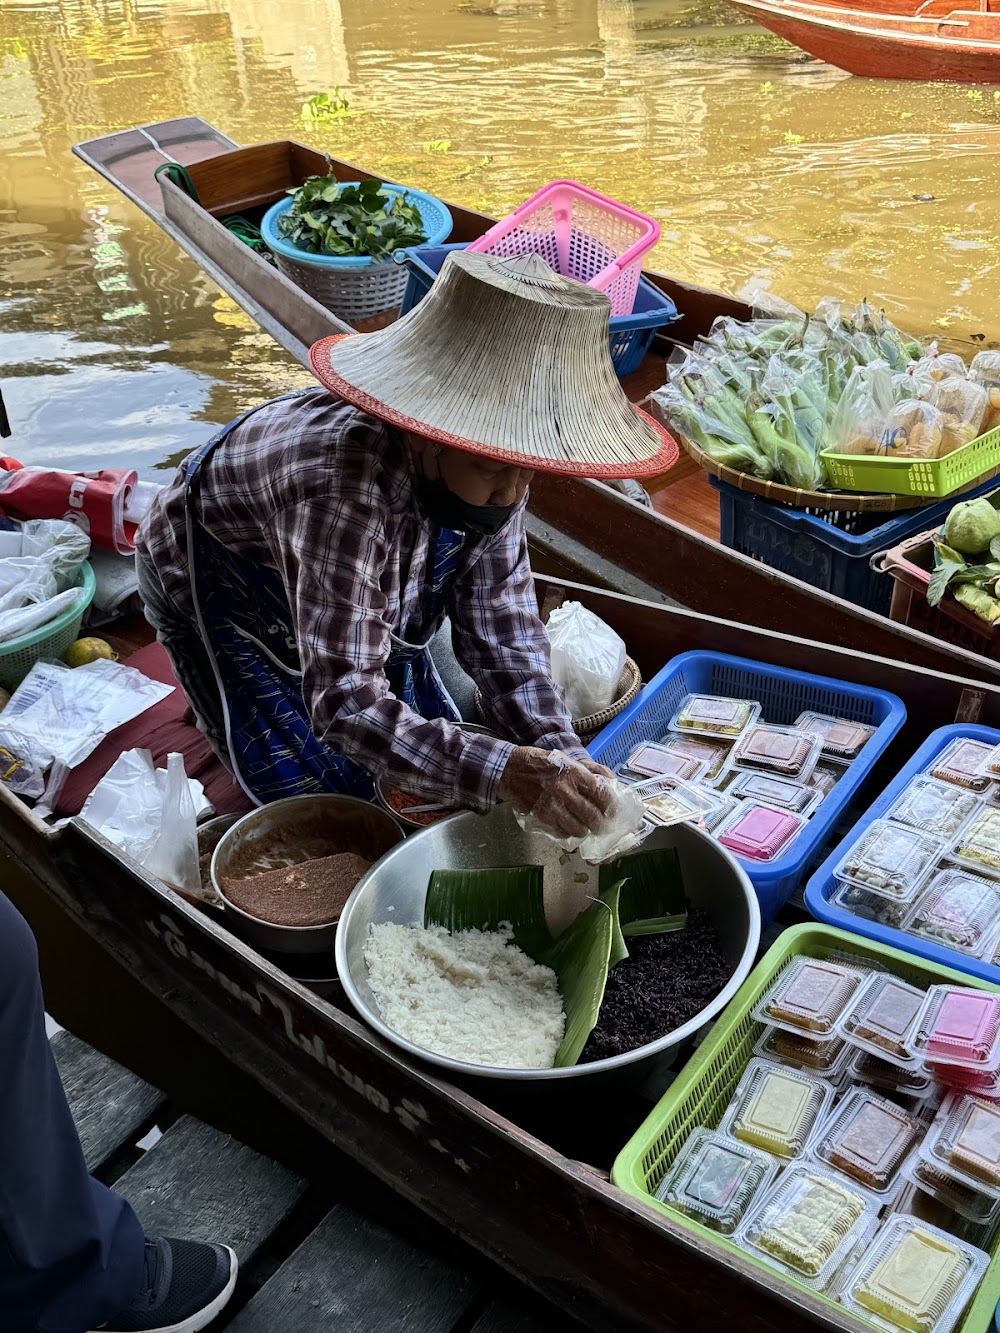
x: 629, y: 685
x: 830, y: 500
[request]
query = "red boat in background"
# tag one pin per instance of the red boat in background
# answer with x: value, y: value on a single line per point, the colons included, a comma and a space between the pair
x: 889, y: 40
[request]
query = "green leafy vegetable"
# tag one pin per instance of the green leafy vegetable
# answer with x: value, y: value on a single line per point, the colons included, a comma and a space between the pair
x: 350, y: 221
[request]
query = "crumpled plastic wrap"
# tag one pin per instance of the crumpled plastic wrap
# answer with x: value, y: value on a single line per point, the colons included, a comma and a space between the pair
x: 624, y: 825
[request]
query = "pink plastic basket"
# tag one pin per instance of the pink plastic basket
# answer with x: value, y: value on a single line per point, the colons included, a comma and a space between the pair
x: 582, y: 235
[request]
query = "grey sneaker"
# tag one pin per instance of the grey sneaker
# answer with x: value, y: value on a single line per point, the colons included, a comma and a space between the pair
x: 185, y: 1285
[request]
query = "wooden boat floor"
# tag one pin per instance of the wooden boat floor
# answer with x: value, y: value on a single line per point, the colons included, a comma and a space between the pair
x: 313, y: 1254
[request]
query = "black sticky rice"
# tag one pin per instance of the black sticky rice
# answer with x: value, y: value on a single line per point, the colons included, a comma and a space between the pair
x: 663, y: 983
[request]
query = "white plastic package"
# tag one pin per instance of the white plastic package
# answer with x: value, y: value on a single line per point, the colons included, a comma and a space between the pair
x: 150, y: 814
x: 624, y: 827
x: 587, y: 658
x: 39, y: 566
x: 62, y: 713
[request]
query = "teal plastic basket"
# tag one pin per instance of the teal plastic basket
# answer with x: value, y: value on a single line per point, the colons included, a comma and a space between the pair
x: 704, y: 1087
x: 19, y: 655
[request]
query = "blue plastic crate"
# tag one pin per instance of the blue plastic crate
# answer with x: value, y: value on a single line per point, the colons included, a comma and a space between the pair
x: 822, y: 884
x: 783, y: 695
x: 830, y: 549
x: 630, y: 337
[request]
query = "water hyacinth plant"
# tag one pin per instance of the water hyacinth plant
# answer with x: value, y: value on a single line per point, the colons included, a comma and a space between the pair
x: 350, y: 221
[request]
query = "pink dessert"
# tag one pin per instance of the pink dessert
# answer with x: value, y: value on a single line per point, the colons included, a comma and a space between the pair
x: 759, y: 832
x: 962, y: 1026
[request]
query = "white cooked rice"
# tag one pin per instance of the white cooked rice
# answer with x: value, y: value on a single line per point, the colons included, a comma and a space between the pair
x: 473, y: 995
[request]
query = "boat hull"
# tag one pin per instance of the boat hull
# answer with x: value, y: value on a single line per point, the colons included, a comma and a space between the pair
x: 526, y: 1203
x: 881, y: 46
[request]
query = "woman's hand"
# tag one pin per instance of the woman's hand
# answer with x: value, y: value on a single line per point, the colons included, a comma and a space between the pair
x: 565, y: 795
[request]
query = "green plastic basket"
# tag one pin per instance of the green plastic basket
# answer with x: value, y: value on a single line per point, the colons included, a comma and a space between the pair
x: 975, y: 461
x: 704, y: 1088
x: 19, y: 655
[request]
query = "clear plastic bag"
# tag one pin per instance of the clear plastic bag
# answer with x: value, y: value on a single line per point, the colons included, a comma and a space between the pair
x: 964, y: 405
x: 913, y: 429
x: 864, y: 407
x: 985, y: 370
x: 62, y: 713
x: 39, y: 564
x: 150, y: 814
x: 588, y: 658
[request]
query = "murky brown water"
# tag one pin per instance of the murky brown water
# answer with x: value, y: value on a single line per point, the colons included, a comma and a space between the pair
x: 760, y: 165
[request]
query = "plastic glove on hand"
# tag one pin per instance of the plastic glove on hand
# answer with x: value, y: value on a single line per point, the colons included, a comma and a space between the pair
x: 568, y: 798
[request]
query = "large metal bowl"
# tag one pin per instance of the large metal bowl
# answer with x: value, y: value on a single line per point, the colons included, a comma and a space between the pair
x: 395, y: 890
x: 351, y: 826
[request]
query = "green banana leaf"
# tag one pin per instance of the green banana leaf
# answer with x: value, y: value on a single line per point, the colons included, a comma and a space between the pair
x: 581, y: 958
x: 652, y: 898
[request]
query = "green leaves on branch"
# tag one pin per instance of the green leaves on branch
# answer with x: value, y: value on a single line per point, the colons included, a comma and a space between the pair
x: 350, y: 221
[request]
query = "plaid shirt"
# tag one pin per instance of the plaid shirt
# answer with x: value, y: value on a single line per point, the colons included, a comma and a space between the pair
x: 323, y: 493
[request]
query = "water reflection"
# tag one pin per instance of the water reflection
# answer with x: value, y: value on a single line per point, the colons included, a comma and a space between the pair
x: 761, y: 166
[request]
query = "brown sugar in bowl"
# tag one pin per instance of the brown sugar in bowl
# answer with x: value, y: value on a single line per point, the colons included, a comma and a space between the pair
x: 285, y: 835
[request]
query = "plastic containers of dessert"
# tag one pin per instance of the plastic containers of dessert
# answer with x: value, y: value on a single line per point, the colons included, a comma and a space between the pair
x: 712, y: 751
x: 964, y: 1142
x: 716, y: 1180
x: 882, y: 1019
x: 671, y: 802
x: 828, y: 1059
x: 784, y: 751
x: 938, y: 808
x: 884, y: 1076
x: 776, y: 1108
x: 651, y: 760
x: 825, y: 776
x: 890, y: 859
x: 868, y: 1138
x: 978, y: 845
x: 759, y: 832
x: 714, y: 715
x: 809, y: 996
x: 969, y: 1203
x: 840, y: 737
x: 770, y: 789
x: 807, y: 1224
x: 961, y: 763
x: 956, y: 909
x: 959, y: 1026
x: 914, y: 1277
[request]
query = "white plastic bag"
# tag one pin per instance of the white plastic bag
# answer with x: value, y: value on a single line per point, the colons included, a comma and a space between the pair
x: 587, y: 658
x: 64, y: 713
x: 624, y: 825
x: 150, y: 814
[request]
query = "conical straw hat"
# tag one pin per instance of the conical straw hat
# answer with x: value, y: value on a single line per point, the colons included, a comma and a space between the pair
x: 505, y: 359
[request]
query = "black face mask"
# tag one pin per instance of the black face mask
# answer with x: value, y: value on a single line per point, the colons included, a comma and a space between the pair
x: 449, y: 510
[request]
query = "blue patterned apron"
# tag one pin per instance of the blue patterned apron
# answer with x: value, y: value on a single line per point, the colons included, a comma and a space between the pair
x: 247, y: 626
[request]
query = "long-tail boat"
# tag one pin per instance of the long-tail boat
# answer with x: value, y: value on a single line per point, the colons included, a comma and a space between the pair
x: 578, y: 529
x: 890, y: 39
x: 163, y: 985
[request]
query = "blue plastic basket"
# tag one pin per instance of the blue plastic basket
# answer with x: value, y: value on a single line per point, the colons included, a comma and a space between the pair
x: 783, y: 694
x: 830, y: 549
x: 822, y: 884
x: 630, y: 335
x: 436, y: 217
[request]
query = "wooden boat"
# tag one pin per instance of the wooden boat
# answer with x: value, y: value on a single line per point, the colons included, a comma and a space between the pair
x: 578, y: 529
x: 512, y: 1185
x: 932, y: 41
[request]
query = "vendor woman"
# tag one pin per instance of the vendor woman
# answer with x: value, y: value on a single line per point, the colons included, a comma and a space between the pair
x: 300, y: 562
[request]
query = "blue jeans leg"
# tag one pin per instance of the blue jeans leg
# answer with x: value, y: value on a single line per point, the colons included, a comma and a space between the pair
x: 71, y: 1250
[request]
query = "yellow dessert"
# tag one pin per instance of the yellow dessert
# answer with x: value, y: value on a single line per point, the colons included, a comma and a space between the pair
x: 911, y: 1287
x: 806, y: 1232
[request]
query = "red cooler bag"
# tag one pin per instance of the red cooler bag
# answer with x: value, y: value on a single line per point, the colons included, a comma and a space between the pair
x: 94, y: 501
